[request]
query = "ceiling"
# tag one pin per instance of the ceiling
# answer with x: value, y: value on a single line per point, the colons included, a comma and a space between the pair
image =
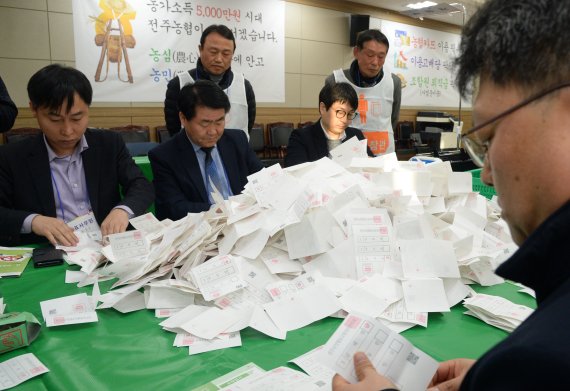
x: 455, y: 18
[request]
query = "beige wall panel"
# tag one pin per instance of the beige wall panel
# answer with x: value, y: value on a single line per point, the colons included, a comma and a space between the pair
x: 292, y: 92
x: 149, y: 104
x: 325, y: 25
x: 26, y: 4
x: 292, y: 55
x: 24, y: 34
x: 16, y: 74
x: 310, y: 87
x: 61, y: 36
x: 107, y: 122
x: 293, y: 14
x: 320, y: 58
x: 60, y: 6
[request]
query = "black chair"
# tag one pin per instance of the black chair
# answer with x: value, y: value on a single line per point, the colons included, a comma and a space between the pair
x: 279, y: 133
x: 256, y: 139
x: 304, y: 124
x: 162, y: 134
x: 19, y: 134
x: 133, y: 133
x: 140, y: 148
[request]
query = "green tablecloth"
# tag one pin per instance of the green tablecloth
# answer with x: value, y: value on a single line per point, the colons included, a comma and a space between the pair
x: 130, y: 351
x: 144, y: 165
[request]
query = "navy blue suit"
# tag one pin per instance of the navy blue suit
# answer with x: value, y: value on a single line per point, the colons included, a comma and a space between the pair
x: 178, y: 180
x: 536, y: 356
x: 309, y: 144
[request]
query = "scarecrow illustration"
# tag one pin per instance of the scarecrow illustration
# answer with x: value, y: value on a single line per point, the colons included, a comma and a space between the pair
x: 114, y: 34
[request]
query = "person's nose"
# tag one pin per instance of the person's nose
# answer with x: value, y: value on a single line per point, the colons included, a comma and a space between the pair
x: 67, y: 127
x: 486, y: 175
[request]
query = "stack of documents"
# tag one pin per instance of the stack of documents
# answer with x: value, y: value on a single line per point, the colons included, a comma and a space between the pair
x: 497, y: 311
x: 390, y: 240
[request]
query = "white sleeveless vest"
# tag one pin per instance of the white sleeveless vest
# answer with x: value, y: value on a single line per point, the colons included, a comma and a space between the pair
x: 237, y: 118
x: 374, y: 112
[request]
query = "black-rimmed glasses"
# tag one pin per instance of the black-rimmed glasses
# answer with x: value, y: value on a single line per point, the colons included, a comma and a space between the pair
x: 340, y: 114
x: 478, y: 150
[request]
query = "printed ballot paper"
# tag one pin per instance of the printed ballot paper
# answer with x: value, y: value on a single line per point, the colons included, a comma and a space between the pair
x: 68, y: 310
x: 19, y: 369
x: 393, y: 356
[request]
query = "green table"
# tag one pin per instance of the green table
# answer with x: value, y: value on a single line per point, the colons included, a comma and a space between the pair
x: 144, y: 165
x: 130, y: 351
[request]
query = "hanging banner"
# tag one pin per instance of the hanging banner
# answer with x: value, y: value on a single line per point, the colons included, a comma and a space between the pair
x: 423, y: 59
x: 129, y: 50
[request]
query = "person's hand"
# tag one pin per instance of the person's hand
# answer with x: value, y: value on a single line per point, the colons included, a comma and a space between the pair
x: 116, y: 222
x: 54, y: 230
x: 368, y: 378
x: 450, y: 374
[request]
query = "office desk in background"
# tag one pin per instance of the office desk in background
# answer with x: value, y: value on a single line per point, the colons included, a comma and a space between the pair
x: 131, y: 351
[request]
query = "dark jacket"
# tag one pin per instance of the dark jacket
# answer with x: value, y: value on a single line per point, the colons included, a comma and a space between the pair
x: 536, y: 356
x: 309, y: 144
x: 26, y: 185
x: 178, y: 180
x: 173, y: 91
x: 8, y: 110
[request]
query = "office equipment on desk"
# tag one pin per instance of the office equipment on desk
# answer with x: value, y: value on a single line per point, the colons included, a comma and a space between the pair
x: 434, y: 119
x: 432, y: 139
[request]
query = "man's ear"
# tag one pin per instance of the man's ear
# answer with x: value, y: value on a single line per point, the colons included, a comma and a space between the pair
x: 322, y: 108
x: 355, y: 51
x: 182, y: 118
x: 33, y: 109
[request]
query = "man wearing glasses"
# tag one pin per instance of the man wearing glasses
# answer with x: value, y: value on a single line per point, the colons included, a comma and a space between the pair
x: 379, y: 94
x: 205, y: 155
x: 337, y: 105
x: 517, y: 53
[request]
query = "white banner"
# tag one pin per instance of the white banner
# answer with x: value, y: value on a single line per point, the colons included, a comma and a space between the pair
x: 161, y: 39
x: 423, y: 59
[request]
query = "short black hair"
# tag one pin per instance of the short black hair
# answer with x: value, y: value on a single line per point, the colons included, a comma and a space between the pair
x: 203, y: 93
x: 369, y: 35
x: 221, y: 29
x: 52, y: 85
x: 338, y: 92
x: 522, y: 43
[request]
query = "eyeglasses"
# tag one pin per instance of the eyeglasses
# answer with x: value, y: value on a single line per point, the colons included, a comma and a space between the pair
x: 340, y: 114
x: 478, y: 150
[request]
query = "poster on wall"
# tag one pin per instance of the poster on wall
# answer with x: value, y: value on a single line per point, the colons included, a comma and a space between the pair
x: 130, y: 49
x: 423, y: 59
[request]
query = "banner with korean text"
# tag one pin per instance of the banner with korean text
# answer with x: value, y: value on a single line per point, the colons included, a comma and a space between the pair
x: 423, y: 59
x: 129, y: 50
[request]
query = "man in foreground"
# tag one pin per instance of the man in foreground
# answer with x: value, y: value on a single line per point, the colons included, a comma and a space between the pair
x: 517, y: 54
x: 204, y: 156
x: 68, y: 171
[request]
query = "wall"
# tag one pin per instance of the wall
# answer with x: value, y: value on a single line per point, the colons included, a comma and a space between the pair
x: 316, y: 42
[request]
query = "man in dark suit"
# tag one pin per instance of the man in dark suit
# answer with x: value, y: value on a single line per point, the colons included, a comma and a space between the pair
x: 337, y: 105
x: 68, y: 171
x: 188, y: 167
x: 8, y: 110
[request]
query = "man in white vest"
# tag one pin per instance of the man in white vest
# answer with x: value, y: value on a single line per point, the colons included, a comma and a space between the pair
x: 217, y: 47
x: 379, y: 95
